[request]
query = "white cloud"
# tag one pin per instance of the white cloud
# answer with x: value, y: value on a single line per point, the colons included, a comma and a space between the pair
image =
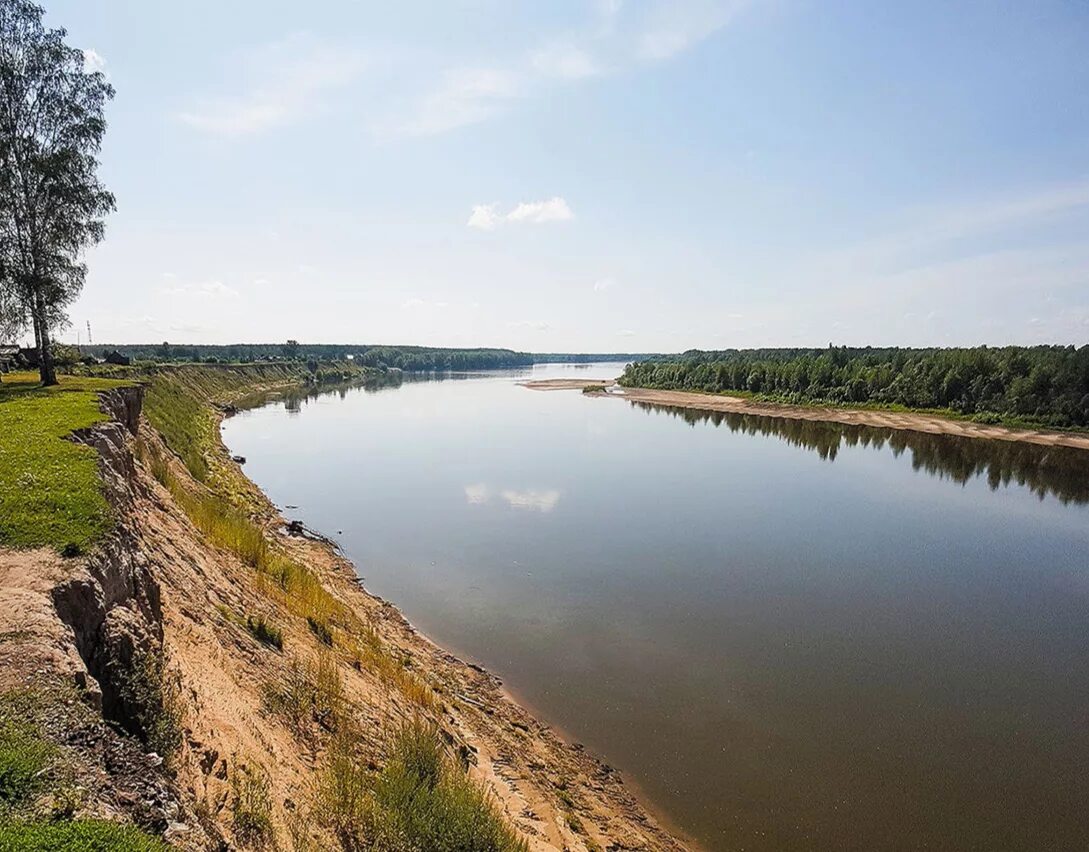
x: 93, y: 61
x: 208, y: 289
x: 625, y: 332
x: 285, y: 82
x: 534, y: 325
x: 486, y: 217
x: 603, y: 284
x: 532, y: 500
x: 416, y: 304
x: 554, y: 209
x: 478, y: 493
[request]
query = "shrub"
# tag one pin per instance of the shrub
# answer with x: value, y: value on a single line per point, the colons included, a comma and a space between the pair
x: 77, y: 836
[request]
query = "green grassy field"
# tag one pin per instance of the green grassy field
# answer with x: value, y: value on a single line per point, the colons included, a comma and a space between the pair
x: 50, y: 494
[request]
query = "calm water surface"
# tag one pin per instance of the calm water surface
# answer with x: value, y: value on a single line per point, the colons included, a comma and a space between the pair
x: 790, y: 635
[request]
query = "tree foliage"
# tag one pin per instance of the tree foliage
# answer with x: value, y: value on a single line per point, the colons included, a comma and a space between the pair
x: 1045, y: 385
x: 52, y: 205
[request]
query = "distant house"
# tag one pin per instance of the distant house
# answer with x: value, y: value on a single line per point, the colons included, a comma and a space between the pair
x: 9, y: 358
x: 115, y: 357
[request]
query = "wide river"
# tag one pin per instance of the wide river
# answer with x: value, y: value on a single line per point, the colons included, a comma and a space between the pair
x: 788, y: 635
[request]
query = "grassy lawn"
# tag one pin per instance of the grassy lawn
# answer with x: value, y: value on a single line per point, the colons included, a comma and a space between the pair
x: 50, y: 495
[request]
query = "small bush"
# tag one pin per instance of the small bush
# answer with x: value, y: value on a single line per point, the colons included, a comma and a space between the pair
x: 265, y: 632
x: 77, y: 836
x: 251, y: 808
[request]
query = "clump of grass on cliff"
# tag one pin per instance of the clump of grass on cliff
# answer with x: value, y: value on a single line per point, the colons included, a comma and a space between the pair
x: 422, y: 799
x: 251, y: 808
x: 50, y: 491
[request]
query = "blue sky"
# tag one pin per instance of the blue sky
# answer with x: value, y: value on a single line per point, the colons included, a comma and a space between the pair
x: 592, y: 176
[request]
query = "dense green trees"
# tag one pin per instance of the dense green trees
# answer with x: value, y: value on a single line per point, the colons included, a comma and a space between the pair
x: 1047, y: 385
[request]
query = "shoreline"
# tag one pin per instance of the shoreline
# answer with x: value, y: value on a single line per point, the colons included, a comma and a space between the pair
x: 882, y: 419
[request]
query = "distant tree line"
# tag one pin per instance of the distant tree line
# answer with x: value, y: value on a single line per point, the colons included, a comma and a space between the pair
x: 1045, y: 385
x: 408, y: 358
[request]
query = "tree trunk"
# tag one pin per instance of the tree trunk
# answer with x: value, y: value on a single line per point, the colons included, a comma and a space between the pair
x: 46, y: 369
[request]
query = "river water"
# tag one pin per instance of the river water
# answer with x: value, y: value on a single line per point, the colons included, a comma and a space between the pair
x: 790, y: 635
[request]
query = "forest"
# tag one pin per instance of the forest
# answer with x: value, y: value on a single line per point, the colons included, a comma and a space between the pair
x: 1038, y: 385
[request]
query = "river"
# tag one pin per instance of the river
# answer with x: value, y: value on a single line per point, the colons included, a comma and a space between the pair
x: 790, y: 635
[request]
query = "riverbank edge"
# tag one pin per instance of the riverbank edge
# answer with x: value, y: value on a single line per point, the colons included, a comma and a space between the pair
x: 879, y: 418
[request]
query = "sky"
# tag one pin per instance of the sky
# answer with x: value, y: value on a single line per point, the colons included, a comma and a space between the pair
x: 607, y: 175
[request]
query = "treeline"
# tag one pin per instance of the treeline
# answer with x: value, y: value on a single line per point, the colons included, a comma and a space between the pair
x: 409, y: 358
x: 1044, y: 385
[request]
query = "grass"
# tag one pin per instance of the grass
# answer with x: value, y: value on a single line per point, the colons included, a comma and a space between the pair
x: 50, y: 492
x: 155, y: 692
x: 265, y: 632
x: 36, y: 774
x: 421, y: 799
x: 320, y: 628
x: 310, y: 692
x: 251, y: 809
x: 76, y: 836
x: 25, y: 761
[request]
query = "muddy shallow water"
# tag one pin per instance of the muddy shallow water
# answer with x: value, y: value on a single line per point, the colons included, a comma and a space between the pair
x: 791, y: 635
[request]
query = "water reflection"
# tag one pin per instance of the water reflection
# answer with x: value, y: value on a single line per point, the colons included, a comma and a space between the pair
x: 532, y: 499
x: 1062, y: 472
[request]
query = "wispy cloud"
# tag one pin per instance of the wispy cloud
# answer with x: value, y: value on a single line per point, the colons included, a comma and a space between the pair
x: 533, y: 325
x: 202, y: 289
x: 603, y: 284
x: 464, y: 96
x: 486, y: 217
x: 284, y: 82
x: 617, y: 38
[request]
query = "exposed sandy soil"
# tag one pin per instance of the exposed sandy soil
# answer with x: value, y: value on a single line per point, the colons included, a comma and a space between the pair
x: 931, y: 423
x: 557, y: 795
